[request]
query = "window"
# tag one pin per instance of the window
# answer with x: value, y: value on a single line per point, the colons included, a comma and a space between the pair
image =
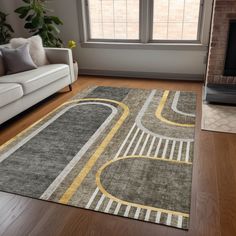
x: 114, y: 19
x: 143, y: 21
x: 176, y: 19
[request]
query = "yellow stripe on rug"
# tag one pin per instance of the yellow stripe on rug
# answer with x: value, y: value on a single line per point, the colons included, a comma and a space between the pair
x: 91, y: 162
x: 160, y: 109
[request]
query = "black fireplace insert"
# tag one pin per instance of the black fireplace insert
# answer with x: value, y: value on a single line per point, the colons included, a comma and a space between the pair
x: 230, y: 60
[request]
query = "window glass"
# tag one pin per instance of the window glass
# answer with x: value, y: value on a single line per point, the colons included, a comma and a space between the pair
x: 176, y: 19
x: 114, y: 19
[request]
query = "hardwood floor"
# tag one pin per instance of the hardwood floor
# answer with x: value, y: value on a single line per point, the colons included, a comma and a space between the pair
x: 213, y: 209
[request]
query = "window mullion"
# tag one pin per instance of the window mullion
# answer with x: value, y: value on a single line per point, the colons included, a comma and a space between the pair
x: 87, y: 19
x: 84, y: 22
x: 150, y: 19
x: 146, y: 20
x: 200, y: 19
x: 144, y: 30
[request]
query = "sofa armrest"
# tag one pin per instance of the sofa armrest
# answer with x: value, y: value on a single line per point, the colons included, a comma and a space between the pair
x: 61, y: 56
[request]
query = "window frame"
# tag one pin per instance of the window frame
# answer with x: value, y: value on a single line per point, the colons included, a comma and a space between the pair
x: 109, y: 40
x: 199, y: 30
x: 145, y: 29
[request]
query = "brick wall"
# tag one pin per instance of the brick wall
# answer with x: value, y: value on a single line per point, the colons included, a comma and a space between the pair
x: 224, y: 11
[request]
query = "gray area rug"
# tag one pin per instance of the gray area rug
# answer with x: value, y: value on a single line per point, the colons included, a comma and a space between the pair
x: 121, y: 151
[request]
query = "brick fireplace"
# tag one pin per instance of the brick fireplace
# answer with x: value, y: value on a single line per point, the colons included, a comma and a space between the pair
x: 224, y: 12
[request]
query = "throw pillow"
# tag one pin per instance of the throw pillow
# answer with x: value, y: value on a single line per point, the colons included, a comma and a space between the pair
x: 37, y: 51
x: 17, y: 60
x: 2, y: 70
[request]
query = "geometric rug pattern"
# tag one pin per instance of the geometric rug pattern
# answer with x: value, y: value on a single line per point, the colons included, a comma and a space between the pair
x: 122, y: 151
x: 219, y: 118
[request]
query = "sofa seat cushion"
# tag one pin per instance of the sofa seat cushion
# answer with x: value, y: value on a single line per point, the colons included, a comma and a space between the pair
x: 38, y: 78
x: 10, y: 92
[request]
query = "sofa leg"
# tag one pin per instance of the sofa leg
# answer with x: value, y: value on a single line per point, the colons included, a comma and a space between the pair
x: 70, y: 87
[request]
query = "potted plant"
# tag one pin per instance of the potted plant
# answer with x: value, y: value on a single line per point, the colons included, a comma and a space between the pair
x: 71, y: 45
x: 38, y: 22
x: 5, y: 29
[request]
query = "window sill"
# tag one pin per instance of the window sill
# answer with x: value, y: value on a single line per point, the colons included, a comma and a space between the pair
x: 146, y: 46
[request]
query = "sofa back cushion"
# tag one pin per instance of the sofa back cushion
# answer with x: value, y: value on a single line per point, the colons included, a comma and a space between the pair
x: 17, y: 60
x: 36, y: 49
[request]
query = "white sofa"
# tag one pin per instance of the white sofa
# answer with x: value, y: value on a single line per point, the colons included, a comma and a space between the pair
x: 20, y: 91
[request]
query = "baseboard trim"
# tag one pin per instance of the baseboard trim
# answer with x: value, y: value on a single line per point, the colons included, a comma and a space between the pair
x: 147, y: 75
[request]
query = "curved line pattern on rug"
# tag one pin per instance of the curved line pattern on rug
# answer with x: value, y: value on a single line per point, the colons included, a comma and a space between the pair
x: 55, y: 184
x: 102, y: 189
x: 175, y: 108
x: 140, y: 125
x: 160, y: 109
x: 125, y: 161
x: 79, y: 179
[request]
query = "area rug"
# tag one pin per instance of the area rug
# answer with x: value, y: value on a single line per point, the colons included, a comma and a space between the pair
x: 121, y: 151
x: 219, y: 118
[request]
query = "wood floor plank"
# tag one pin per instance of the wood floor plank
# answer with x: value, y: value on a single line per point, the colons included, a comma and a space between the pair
x: 11, y: 210
x: 213, y: 206
x: 226, y: 169
x: 31, y: 214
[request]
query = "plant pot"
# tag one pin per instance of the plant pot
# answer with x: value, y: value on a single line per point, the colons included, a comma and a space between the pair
x: 76, y: 69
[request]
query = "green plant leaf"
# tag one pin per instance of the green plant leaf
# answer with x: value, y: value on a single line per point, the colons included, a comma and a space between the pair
x: 29, y: 26
x: 22, y: 10
x: 29, y: 17
x: 47, y: 20
x: 53, y: 28
x: 9, y: 27
x: 39, y: 22
x: 5, y: 29
x: 3, y: 16
x: 56, y: 20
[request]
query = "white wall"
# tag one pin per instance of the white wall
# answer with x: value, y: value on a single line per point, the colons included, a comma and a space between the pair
x: 136, y: 60
x: 155, y: 61
x: 189, y: 62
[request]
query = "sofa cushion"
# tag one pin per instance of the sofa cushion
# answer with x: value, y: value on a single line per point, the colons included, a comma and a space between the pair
x: 37, y: 51
x: 38, y: 78
x: 10, y: 92
x: 17, y: 60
